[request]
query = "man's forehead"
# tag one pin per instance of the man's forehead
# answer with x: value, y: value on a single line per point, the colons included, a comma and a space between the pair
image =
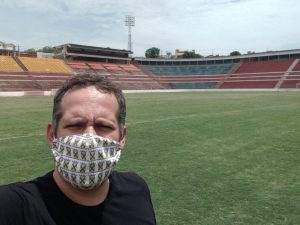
x: 91, y: 91
x: 77, y: 97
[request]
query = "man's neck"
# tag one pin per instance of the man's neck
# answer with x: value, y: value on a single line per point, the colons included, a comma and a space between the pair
x: 83, y: 197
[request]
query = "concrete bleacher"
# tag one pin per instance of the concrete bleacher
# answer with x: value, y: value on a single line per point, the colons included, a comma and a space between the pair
x: 45, y: 65
x: 77, y: 65
x: 31, y: 82
x: 36, y: 78
x: 7, y: 63
x: 191, y: 82
x: 47, y: 74
x: 189, y: 76
x: 104, y: 68
x: 29, y: 85
x: 261, y: 74
x: 264, y: 66
x: 127, y: 76
x: 171, y: 70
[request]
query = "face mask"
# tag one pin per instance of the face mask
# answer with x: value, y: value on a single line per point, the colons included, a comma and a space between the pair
x: 85, y: 160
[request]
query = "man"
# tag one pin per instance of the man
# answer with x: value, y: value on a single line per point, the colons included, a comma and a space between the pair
x: 86, y: 137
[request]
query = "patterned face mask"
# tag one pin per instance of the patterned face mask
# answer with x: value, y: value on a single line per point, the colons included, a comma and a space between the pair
x: 85, y: 160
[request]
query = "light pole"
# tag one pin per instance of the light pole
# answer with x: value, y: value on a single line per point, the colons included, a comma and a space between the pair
x: 129, y: 22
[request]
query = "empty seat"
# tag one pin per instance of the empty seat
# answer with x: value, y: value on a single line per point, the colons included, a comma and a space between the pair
x: 44, y: 65
x: 264, y: 66
x: 7, y: 63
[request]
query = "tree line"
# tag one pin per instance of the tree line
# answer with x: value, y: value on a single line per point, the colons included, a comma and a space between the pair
x: 46, y: 49
x: 154, y: 52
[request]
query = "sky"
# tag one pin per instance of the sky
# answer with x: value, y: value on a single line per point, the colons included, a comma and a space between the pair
x: 206, y: 26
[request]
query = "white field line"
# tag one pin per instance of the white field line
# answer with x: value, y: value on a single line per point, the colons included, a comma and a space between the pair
x: 23, y: 136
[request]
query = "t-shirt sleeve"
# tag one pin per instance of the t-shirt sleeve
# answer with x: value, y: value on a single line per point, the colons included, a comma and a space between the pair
x: 20, y: 203
x: 10, y: 206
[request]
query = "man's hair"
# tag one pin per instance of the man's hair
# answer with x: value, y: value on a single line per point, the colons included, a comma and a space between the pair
x: 101, y: 83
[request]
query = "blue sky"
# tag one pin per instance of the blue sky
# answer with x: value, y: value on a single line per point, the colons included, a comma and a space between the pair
x: 206, y: 26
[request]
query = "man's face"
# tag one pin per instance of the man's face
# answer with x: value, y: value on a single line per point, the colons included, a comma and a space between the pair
x: 86, y: 110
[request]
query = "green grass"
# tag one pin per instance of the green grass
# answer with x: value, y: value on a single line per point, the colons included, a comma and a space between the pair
x: 209, y: 158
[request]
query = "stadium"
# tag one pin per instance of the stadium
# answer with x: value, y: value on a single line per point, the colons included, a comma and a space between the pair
x: 275, y: 70
x: 216, y: 138
x: 226, y: 135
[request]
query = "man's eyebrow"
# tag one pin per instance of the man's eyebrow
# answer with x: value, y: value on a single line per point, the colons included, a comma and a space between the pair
x: 74, y: 120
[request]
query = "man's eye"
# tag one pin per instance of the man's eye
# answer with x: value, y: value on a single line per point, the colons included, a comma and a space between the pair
x: 104, y: 127
x: 73, y: 125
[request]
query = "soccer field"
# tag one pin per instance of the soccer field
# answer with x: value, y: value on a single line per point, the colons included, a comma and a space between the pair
x: 209, y: 158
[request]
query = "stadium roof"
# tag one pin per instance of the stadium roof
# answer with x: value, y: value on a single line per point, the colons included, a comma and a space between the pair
x: 85, y: 52
x: 93, y: 48
x: 238, y: 57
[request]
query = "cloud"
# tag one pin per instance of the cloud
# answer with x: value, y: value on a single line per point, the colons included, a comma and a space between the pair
x: 203, y: 25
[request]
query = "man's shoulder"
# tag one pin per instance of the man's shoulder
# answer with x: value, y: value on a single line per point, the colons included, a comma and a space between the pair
x: 18, y: 195
x: 15, y: 198
x: 127, y: 178
x: 22, y: 203
x: 129, y: 184
x: 19, y: 190
x: 129, y: 200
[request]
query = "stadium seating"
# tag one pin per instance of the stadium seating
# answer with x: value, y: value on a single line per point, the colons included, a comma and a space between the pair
x: 25, y: 81
x: 35, y: 74
x: 189, y: 76
x: 7, y: 63
x: 105, y: 68
x: 77, y: 65
x: 292, y: 80
x: 264, y: 66
x: 249, y: 84
x: 261, y: 74
x: 167, y: 70
x: 45, y: 65
x: 192, y: 85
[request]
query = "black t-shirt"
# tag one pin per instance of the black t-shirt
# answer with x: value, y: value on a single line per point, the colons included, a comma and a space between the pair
x: 41, y: 202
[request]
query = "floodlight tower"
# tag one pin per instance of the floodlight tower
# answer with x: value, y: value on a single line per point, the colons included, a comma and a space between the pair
x: 129, y: 22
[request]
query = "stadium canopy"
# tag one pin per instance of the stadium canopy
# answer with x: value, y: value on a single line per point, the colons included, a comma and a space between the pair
x: 92, y: 53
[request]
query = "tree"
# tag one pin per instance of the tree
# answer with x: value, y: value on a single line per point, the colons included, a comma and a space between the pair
x: 234, y: 53
x: 250, y: 52
x: 168, y: 54
x: 48, y: 49
x: 30, y: 50
x: 190, y: 54
x: 152, y: 52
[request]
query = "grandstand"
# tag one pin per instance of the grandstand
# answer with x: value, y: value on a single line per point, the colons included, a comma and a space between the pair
x: 261, y: 74
x: 273, y: 70
x: 31, y: 74
x: 261, y: 70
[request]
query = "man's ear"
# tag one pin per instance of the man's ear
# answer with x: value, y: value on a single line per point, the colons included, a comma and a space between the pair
x: 50, y: 134
x: 123, y: 138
